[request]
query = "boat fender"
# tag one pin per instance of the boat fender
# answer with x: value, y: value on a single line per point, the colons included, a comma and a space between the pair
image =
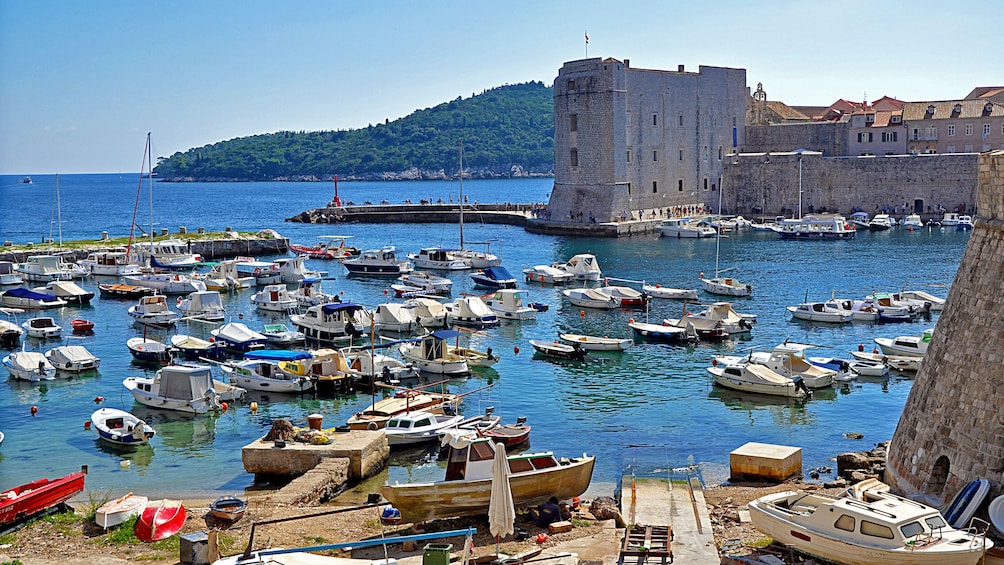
x: 582, y: 313
x: 177, y: 278
x: 87, y: 425
x: 257, y: 271
x: 372, y: 426
x: 34, y: 410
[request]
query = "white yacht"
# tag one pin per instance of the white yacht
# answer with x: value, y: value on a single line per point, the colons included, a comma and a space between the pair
x: 438, y: 259
x: 109, y: 264
x: 685, y: 228
x: 44, y: 268
x: 339, y: 322
x: 274, y: 298
x: 185, y: 388
x: 382, y: 261
x: 204, y: 305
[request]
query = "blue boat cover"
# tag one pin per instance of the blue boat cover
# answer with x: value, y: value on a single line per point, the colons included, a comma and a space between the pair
x: 338, y: 306
x: 277, y: 355
x: 29, y: 294
x: 446, y: 334
x: 498, y: 274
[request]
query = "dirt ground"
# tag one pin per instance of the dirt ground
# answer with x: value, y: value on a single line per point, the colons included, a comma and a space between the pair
x: 68, y: 541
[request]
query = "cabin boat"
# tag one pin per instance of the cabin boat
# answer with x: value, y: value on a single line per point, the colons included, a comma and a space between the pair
x: 685, y: 228
x: 590, y: 298
x: 309, y: 293
x: 109, y: 264
x: 508, y: 305
x: 494, y: 278
x: 880, y: 222
x: 148, y: 350
x: 859, y: 310
x: 279, y: 334
x: 191, y: 347
x: 906, y: 345
x: 236, y: 336
x: 66, y: 290
x: 472, y: 312
x: 950, y: 220
x: 127, y: 291
x: 120, y: 427
x: 225, y: 277
x: 29, y: 366
x: 626, y: 296
x: 153, y: 311
x: 398, y: 318
x: 185, y: 388
x: 422, y: 282
x: 466, y: 487
x: 818, y: 227
x: 263, y: 372
x: 30, y: 299
x: 965, y: 223
x: 547, y: 274
x: 419, y: 426
x: 913, y: 222
x: 438, y: 259
x: 788, y: 360
x: 293, y: 270
x: 9, y: 274
x: 204, y: 305
x: 263, y: 272
x: 34, y: 498
x: 583, y: 267
x: 330, y: 323
x: 382, y: 262
x: 72, y: 358
x: 274, y: 298
x: 431, y: 354
x: 169, y: 255
x: 755, y: 378
x: 167, y: 283
x: 375, y: 416
x: 819, y: 312
x: 42, y: 327
x: 44, y: 268
x: 428, y: 312
x: 877, y: 528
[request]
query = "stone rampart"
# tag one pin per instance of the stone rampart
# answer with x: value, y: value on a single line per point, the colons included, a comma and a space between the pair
x: 952, y: 427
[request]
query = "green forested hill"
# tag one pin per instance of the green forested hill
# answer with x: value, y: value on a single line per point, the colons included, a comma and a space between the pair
x: 504, y: 129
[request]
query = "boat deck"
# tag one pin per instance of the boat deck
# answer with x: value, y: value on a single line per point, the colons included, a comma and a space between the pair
x: 673, y: 510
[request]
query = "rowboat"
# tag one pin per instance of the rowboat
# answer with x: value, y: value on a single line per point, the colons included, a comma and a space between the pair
x: 118, y: 511
x: 228, y: 508
x: 37, y: 497
x: 82, y: 326
x: 596, y: 343
x: 160, y: 519
x: 120, y: 427
x: 574, y: 352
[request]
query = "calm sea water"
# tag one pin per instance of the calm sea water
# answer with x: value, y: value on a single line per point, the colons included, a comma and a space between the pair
x: 650, y: 407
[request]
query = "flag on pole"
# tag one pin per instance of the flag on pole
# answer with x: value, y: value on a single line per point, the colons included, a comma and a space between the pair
x: 587, y: 37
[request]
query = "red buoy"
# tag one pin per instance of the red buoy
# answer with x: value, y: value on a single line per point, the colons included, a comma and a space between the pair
x: 515, y: 349
x: 34, y: 410
x: 224, y: 407
x: 87, y: 425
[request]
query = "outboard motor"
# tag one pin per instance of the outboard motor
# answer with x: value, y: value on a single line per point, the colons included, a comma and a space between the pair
x: 800, y: 385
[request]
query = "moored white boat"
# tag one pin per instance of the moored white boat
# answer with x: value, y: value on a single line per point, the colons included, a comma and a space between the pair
x: 167, y: 283
x: 626, y: 296
x: 9, y: 274
x: 29, y: 366
x: 192, y: 347
x: 431, y: 354
x: 153, y: 311
x: 120, y: 427
x: 419, y: 426
x: 903, y: 363
x: 597, y: 343
x: 583, y: 267
x: 293, y: 269
x: 42, y: 327
x: 547, y: 274
x: 659, y: 291
x: 913, y: 222
x: 279, y: 334
x: 66, y: 290
x: 685, y: 228
x: 263, y: 272
x: 818, y: 227
x: 184, y: 388
x: 309, y: 292
x: 439, y: 259
x: 507, y: 303
x: 664, y: 332
x: 44, y: 268
x: 148, y: 350
x: 72, y: 358
x: 590, y: 298
x: 755, y: 378
x: 819, y: 312
x: 274, y: 298
x: 472, y: 312
x: 110, y: 264
x: 879, y: 528
x: 29, y: 299
x: 494, y: 278
x: 393, y: 317
x: 906, y: 345
x: 204, y: 305
x: 382, y: 262
x: 716, y: 316
x: 880, y: 222
x: 726, y: 286
x: 264, y: 373
x: 236, y: 336
x: 787, y: 360
x: 338, y: 322
x: 426, y: 283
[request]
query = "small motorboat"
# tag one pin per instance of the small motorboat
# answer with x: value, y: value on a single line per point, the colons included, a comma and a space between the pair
x: 507, y: 303
x: 279, y: 334
x: 124, y: 291
x: 42, y: 327
x: 228, y: 509
x: 472, y: 312
x: 759, y: 379
x: 509, y: 434
x: 274, y: 298
x: 596, y: 343
x: 29, y: 366
x: 903, y: 363
x: 591, y: 298
x: 906, y: 345
x: 66, y: 290
x: 191, y: 347
x: 266, y: 373
x: 664, y: 332
x: 203, y: 305
x: 29, y: 299
x: 153, y: 311
x: 659, y: 291
x: 547, y: 274
x: 148, y: 350
x: 494, y: 278
x: 626, y: 296
x: 160, y: 519
x: 120, y: 427
x: 819, y: 312
x: 37, y: 497
x: 573, y: 352
x: 419, y: 426
x: 424, y: 282
x: 238, y: 337
x: 72, y: 358
x: 82, y: 326
x: 185, y: 388
x: 118, y: 511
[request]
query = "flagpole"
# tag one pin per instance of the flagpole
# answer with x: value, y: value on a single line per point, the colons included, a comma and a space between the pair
x: 587, y: 43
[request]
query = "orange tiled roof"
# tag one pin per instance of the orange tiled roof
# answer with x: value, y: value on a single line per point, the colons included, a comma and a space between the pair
x: 946, y: 109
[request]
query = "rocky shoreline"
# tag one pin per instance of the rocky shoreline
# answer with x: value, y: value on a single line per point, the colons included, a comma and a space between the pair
x: 516, y: 172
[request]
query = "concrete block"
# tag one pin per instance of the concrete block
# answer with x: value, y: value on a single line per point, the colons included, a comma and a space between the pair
x: 194, y: 549
x: 559, y: 527
x: 763, y: 461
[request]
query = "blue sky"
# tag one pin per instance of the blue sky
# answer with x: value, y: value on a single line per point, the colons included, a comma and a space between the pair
x: 81, y: 82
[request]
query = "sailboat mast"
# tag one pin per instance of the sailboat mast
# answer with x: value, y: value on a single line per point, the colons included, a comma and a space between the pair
x: 718, y: 238
x: 799, y: 186
x: 59, y: 214
x: 149, y: 173
x: 132, y: 226
x: 461, y: 194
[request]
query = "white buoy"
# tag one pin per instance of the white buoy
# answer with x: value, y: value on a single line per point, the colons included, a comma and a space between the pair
x: 125, y: 463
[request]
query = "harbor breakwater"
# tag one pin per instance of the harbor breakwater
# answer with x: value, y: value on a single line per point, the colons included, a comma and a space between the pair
x: 212, y: 247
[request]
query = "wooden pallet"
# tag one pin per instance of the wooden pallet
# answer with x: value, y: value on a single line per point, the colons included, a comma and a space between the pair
x: 647, y: 541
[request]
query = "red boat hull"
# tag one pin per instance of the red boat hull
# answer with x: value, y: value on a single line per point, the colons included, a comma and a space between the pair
x: 38, y: 496
x: 509, y: 435
x: 82, y: 325
x: 160, y: 521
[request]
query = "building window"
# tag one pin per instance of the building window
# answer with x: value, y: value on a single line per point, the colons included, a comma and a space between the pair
x: 655, y: 119
x: 573, y: 156
x: 986, y: 130
x: 705, y: 159
x: 679, y: 185
x: 705, y: 184
x: 865, y: 137
x: 681, y: 120
x: 655, y: 187
x: 573, y: 122
x: 719, y: 152
x: 628, y: 155
x: 571, y: 84
x: 951, y: 149
x: 969, y: 149
x: 681, y: 154
x: 951, y: 130
x: 969, y: 129
x: 890, y: 136
x: 655, y: 155
x: 915, y: 134
x: 931, y: 132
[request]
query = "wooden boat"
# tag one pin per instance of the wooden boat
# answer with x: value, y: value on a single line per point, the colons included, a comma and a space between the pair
x: 509, y: 434
x: 81, y: 326
x: 466, y: 488
x: 160, y: 520
x: 120, y: 427
x: 574, y: 352
x: 37, y: 497
x: 126, y: 291
x: 659, y: 291
x: 148, y: 350
x: 118, y: 511
x: 596, y: 343
x: 228, y: 508
x: 879, y: 528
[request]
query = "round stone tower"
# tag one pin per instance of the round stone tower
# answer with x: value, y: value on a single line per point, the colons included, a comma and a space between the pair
x: 952, y: 428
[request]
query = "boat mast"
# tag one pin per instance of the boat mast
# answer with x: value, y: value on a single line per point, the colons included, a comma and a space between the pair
x: 718, y: 238
x: 461, y: 194
x: 799, y: 186
x: 132, y: 227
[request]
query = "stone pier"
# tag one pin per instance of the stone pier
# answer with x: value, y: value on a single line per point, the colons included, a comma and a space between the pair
x: 365, y: 451
x: 952, y: 427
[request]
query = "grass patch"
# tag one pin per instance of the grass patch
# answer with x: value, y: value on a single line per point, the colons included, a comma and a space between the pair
x: 316, y: 540
x: 123, y: 533
x: 9, y: 539
x: 64, y: 522
x: 95, y: 500
x: 122, y: 241
x: 14, y: 562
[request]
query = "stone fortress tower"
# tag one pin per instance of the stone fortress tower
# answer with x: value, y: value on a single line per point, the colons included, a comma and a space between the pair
x: 638, y: 139
x: 952, y: 427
